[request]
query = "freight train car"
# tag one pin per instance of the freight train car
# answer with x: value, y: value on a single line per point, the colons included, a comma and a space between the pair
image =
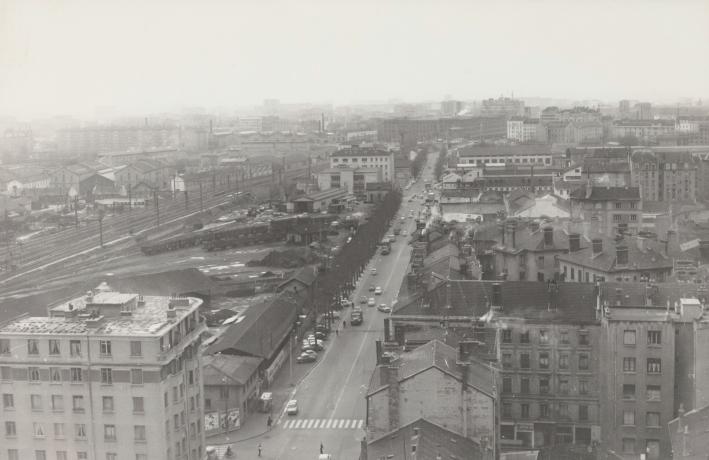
x: 241, y: 235
x: 171, y: 244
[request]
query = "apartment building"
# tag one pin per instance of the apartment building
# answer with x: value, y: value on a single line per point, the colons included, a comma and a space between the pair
x: 366, y: 158
x: 529, y: 254
x: 612, y: 210
x: 525, y: 130
x: 665, y: 176
x: 643, y: 130
x: 101, y: 139
x: 511, y: 154
x: 105, y: 376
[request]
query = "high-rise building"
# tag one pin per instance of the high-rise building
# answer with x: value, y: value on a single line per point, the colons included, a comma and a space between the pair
x: 451, y: 108
x: 664, y: 176
x: 643, y: 111
x: 107, y: 375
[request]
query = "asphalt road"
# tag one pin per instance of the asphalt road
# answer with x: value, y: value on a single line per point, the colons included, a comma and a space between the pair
x: 331, y: 398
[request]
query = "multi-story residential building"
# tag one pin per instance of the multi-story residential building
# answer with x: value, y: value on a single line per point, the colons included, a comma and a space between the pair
x: 664, y: 176
x: 526, y: 130
x: 451, y: 108
x: 529, y: 254
x: 643, y: 111
x: 612, y: 210
x: 584, y: 132
x: 688, y: 434
x: 355, y: 180
x: 514, y: 154
x: 100, y: 139
x: 502, y: 106
x: 624, y: 108
x: 602, y: 258
x: 643, y: 130
x: 107, y: 375
x: 369, y: 158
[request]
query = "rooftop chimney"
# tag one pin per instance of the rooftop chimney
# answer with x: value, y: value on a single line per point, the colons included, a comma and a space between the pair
x: 621, y: 255
x: 597, y: 246
x: 548, y: 236
x: 496, y: 300
x: 574, y: 242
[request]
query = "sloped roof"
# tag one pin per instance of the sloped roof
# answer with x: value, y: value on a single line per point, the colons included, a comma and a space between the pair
x: 533, y: 241
x: 637, y: 294
x: 432, y: 442
x: 305, y: 275
x: 450, y: 249
x: 436, y: 354
x: 236, y: 369
x: 566, y: 303
x: 482, y: 150
x: 186, y: 281
x: 263, y: 328
x: 607, y: 194
x: 451, y: 178
x: 649, y: 258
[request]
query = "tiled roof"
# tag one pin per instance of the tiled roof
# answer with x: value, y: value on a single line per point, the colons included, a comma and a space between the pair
x: 569, y: 302
x: 655, y: 294
x: 527, y: 240
x: 607, y: 194
x: 181, y: 282
x: 237, y: 369
x: 648, y: 258
x: 305, y: 275
x: 432, y: 442
x: 261, y: 330
x: 450, y: 249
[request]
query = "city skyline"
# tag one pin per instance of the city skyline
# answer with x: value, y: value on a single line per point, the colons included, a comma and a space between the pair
x: 72, y: 57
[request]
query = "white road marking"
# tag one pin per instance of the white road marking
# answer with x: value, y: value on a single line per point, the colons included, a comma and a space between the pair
x: 359, y: 425
x: 329, y: 422
x: 310, y: 424
x: 288, y: 424
x: 297, y: 424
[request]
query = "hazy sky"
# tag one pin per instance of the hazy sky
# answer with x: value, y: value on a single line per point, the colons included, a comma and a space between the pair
x: 66, y: 56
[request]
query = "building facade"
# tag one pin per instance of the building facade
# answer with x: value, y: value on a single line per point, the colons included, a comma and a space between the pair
x: 368, y: 158
x: 106, y: 376
x: 665, y: 176
x: 611, y: 210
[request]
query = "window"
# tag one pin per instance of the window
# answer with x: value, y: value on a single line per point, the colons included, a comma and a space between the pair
x: 629, y: 337
x: 544, y: 411
x: 507, y: 384
x: 105, y: 347
x: 58, y: 430
x: 13, y: 454
x: 654, y: 366
x: 506, y: 361
x: 652, y: 392
x: 564, y: 337
x: 108, y: 403
x: 5, y: 346
x: 75, y: 348
x: 524, y: 337
x: 55, y: 375
x: 36, y: 402
x: 106, y: 376
x: 191, y: 403
x: 136, y: 348
x: 8, y: 401
x: 139, y: 432
x: 10, y: 429
x: 176, y: 422
x: 628, y: 391
x: 544, y: 360
x: 207, y: 403
x: 617, y: 205
x: 61, y: 455
x: 652, y: 419
x: 75, y: 373
x: 38, y: 430
x: 564, y: 385
x: 506, y: 410
x: 525, y: 410
x: 174, y: 394
x: 109, y: 432
x: 654, y: 337
x: 543, y: 337
x: 32, y: 346
x: 82, y: 456
x: 628, y: 364
x: 583, y: 387
x: 629, y: 417
x: 136, y: 376
x: 507, y: 336
x: 583, y: 362
x: 629, y: 445
x: 165, y: 398
x: 525, y: 386
x: 80, y: 430
x: 138, y: 404
x: 77, y: 403
x: 34, y: 374
x: 563, y: 361
x: 524, y: 361
x: 583, y: 338
x: 544, y: 386
x: 563, y: 410
x: 583, y: 413
x: 111, y: 456
x: 145, y: 457
x: 40, y: 455
x: 54, y: 347
x: 58, y: 403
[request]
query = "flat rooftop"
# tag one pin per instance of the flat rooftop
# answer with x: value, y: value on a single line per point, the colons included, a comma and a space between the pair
x: 148, y: 317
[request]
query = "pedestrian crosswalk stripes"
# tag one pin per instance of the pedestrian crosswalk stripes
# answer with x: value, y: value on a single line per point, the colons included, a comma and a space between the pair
x: 314, y: 423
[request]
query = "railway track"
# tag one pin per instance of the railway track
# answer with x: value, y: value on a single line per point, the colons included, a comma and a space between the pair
x: 68, y: 247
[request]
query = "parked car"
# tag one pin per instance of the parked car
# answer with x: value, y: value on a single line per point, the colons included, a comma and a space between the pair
x: 371, y: 288
x: 378, y: 290
x: 305, y: 358
x: 292, y: 407
x: 373, y: 271
x: 317, y: 346
x: 320, y: 335
x: 384, y: 308
x: 371, y: 302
